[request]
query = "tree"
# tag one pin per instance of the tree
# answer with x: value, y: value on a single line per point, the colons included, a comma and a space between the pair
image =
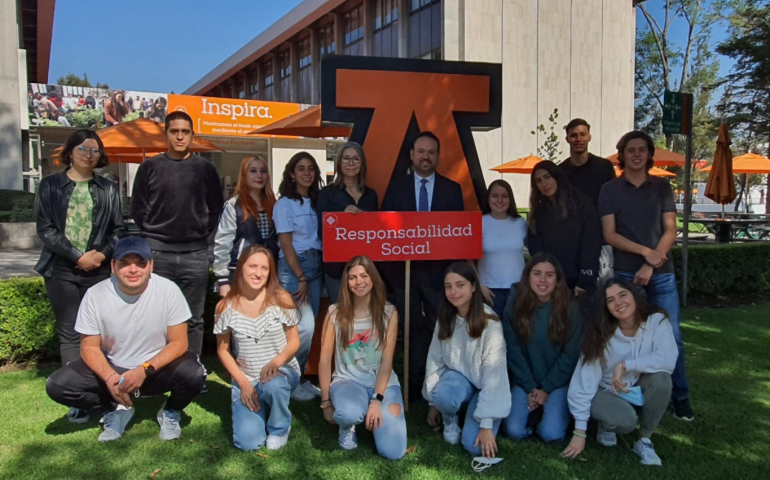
x: 746, y: 100
x: 549, y: 150
x: 73, y: 80
x: 689, y: 67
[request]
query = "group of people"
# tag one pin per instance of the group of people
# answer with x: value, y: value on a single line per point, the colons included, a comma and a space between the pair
x: 55, y: 106
x: 529, y: 345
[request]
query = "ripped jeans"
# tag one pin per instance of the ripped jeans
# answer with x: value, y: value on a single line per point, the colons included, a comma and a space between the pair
x: 351, y: 402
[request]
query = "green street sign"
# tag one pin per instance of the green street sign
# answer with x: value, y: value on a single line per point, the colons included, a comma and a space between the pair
x: 677, y: 110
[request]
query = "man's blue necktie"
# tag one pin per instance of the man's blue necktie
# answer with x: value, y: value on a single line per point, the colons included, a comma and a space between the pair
x: 423, y: 206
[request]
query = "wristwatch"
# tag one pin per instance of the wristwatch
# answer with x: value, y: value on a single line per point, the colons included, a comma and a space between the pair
x: 378, y: 397
x: 149, y: 370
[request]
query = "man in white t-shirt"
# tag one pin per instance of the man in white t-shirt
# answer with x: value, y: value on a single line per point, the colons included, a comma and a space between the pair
x: 134, y: 341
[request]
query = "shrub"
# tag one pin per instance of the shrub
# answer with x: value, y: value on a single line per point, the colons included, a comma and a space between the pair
x: 27, y: 325
x: 16, y: 199
x: 723, y: 269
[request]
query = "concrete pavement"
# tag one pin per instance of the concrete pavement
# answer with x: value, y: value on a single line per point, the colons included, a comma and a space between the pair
x: 18, y: 263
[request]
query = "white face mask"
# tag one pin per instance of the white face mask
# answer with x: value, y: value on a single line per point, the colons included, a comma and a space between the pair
x: 481, y: 463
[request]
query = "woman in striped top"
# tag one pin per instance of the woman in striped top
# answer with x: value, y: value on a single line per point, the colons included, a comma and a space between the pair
x: 360, y: 332
x: 256, y: 323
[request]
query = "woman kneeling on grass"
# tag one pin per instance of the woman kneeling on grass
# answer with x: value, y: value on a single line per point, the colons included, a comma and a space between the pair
x: 542, y: 332
x: 364, y: 388
x: 466, y: 365
x: 258, y: 320
x: 630, y: 347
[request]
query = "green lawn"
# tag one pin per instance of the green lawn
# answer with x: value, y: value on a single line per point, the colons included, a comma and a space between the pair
x: 729, y: 373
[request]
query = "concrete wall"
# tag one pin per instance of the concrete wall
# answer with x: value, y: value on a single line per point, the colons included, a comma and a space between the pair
x: 574, y: 55
x: 10, y: 125
x: 19, y: 236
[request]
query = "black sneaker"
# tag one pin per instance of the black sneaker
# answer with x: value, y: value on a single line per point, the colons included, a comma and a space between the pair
x: 75, y: 415
x: 683, y: 411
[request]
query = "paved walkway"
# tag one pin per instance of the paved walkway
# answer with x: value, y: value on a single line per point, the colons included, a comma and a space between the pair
x: 18, y: 263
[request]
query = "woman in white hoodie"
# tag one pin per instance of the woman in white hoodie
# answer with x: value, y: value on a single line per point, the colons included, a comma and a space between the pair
x: 630, y: 345
x: 467, y: 365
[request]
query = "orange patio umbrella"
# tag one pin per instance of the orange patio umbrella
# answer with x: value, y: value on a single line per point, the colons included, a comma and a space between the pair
x: 306, y: 123
x: 662, y: 157
x: 654, y: 171
x: 521, y: 165
x: 747, y: 163
x: 721, y: 187
x: 141, y: 136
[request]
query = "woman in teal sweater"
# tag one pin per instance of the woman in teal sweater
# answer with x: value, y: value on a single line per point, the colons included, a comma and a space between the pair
x: 543, y: 332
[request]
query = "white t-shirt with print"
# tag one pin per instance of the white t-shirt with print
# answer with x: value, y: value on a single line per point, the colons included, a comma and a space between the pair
x: 133, y: 328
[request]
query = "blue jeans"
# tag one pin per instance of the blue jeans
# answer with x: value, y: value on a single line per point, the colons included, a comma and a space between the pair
x: 498, y: 302
x: 332, y: 288
x: 310, y: 261
x: 249, y: 432
x: 452, y: 392
x: 351, y: 402
x: 661, y: 291
x: 556, y: 416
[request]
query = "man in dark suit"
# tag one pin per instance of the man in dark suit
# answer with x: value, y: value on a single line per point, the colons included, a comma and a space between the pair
x: 423, y: 190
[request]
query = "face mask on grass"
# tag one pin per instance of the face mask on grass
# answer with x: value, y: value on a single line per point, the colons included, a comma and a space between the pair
x: 481, y: 463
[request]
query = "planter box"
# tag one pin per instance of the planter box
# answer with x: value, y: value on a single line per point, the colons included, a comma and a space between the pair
x: 19, y: 236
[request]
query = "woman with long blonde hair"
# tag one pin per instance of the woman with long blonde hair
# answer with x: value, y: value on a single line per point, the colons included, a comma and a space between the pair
x: 247, y: 219
x: 257, y: 337
x: 360, y: 334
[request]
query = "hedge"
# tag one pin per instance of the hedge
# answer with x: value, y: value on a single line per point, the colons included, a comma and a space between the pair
x: 27, y: 326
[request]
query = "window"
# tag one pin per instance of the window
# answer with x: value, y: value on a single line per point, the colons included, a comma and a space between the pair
x: 268, y: 80
x: 353, y: 26
x: 385, y: 38
x: 424, y: 29
x: 253, y: 76
x: 238, y: 86
x: 284, y: 70
x: 326, y: 41
x: 305, y: 72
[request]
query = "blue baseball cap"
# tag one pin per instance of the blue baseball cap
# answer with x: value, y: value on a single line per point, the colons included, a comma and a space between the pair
x: 129, y: 245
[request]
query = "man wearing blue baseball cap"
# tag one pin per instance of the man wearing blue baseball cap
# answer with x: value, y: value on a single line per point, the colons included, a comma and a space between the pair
x: 134, y: 342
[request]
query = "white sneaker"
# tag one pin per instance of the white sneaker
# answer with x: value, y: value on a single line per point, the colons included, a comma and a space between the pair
x: 305, y: 392
x: 452, y: 431
x: 275, y: 442
x: 643, y: 448
x: 169, y: 423
x: 115, y: 423
x: 607, y: 439
x: 348, y: 439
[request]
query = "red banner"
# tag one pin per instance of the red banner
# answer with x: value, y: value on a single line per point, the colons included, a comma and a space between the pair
x: 400, y: 236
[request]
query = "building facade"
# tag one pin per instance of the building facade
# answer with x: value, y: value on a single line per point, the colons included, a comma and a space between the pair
x: 576, y: 56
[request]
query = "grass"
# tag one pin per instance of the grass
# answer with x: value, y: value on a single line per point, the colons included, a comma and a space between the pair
x: 730, y: 438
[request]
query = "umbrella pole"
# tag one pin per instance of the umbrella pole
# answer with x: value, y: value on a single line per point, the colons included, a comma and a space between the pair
x: 687, y: 208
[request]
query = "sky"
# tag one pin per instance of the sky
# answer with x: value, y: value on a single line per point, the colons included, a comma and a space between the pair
x: 167, y: 45
x: 154, y: 45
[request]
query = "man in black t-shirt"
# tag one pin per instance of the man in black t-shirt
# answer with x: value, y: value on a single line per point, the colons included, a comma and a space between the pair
x: 585, y: 171
x: 588, y: 173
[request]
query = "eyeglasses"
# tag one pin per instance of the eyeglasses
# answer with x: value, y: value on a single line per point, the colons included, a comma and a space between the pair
x: 353, y: 160
x: 93, y: 151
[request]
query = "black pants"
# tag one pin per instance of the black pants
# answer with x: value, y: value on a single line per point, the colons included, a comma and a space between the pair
x: 76, y: 385
x: 423, y: 310
x: 190, y: 271
x: 65, y: 294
